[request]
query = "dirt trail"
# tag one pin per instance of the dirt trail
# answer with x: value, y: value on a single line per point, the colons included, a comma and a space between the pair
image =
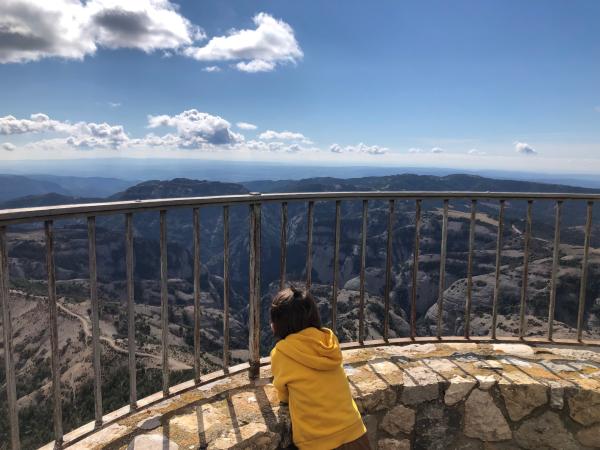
x: 87, y: 329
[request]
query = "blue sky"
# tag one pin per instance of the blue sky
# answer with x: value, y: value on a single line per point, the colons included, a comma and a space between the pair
x: 459, y: 84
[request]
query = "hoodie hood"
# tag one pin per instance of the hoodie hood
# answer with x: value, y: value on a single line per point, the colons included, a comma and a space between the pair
x: 315, y: 348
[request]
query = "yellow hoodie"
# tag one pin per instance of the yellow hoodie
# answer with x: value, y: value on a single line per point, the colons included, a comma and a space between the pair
x: 308, y: 374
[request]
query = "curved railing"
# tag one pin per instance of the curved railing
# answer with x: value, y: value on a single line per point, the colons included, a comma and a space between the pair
x: 48, y: 215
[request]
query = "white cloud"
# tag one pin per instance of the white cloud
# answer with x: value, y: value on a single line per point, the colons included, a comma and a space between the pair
x: 475, y: 151
x: 272, y: 42
x: 415, y: 150
x: 8, y: 146
x: 360, y: 148
x: 524, y: 148
x: 71, y: 29
x: 284, y: 135
x: 144, y: 24
x: 191, y: 129
x: 114, y: 104
x: 196, y: 128
x: 81, y: 134
x: 35, y: 124
x: 246, y: 126
x: 152, y: 140
x: 274, y: 146
x: 437, y: 150
x: 256, y: 65
x: 92, y: 135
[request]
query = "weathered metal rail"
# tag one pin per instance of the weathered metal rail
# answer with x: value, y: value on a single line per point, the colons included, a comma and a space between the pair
x: 48, y: 215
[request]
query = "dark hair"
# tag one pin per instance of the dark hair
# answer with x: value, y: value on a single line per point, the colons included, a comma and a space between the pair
x: 293, y: 310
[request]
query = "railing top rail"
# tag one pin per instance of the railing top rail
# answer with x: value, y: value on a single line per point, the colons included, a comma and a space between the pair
x: 38, y: 214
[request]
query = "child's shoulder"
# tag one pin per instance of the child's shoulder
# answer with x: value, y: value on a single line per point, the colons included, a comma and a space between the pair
x: 278, y: 358
x: 275, y: 351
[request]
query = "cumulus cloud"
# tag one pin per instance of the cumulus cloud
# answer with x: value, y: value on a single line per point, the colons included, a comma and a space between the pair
x: 360, y: 148
x: 246, y: 126
x: 191, y: 129
x: 81, y: 134
x: 283, y: 135
x: 261, y: 49
x: 415, y: 150
x: 436, y: 150
x: 196, y: 128
x: 93, y: 135
x: 153, y: 140
x: 72, y: 29
x: 114, y: 104
x: 8, y: 146
x: 35, y: 124
x: 144, y: 24
x: 274, y: 146
x: 524, y: 148
x: 256, y: 65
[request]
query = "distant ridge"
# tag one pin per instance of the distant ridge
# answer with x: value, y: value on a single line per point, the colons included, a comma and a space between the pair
x: 411, y: 182
x: 178, y: 187
x: 137, y: 169
x: 184, y: 187
x: 14, y: 186
x: 17, y: 186
x: 51, y: 199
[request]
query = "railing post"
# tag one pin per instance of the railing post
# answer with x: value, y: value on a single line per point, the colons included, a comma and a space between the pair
x: 470, y: 269
x: 363, y: 264
x: 388, y: 270
x: 336, y: 266
x: 584, y: 271
x: 129, y: 261
x: 555, y: 267
x: 226, y: 288
x: 197, y: 316
x: 524, y: 287
x: 55, y: 355
x: 309, y: 244
x: 442, y: 280
x: 283, y: 245
x: 95, y: 320
x: 499, y: 244
x: 254, y: 276
x: 415, y: 271
x: 9, y: 363
x: 164, y: 301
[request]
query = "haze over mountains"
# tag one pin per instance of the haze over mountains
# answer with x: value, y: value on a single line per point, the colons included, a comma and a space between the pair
x: 15, y: 186
x: 28, y: 275
x: 134, y: 170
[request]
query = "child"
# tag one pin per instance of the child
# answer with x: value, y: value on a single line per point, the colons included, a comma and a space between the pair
x: 308, y: 374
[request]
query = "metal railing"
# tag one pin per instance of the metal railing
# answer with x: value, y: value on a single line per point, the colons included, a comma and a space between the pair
x: 90, y: 212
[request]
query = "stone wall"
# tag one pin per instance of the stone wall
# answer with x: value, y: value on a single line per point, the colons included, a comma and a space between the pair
x: 442, y: 396
x: 429, y: 411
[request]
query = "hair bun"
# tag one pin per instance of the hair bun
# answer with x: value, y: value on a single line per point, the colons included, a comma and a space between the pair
x: 297, y: 292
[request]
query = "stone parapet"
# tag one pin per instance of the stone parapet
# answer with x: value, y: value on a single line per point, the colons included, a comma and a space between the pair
x: 421, y: 396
